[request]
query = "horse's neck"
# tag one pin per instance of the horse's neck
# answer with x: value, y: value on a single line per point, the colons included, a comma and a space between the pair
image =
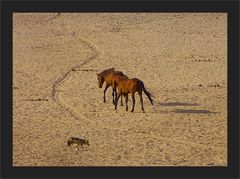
x: 105, y: 73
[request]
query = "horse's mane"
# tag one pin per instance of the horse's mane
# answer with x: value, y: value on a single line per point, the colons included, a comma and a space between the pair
x: 103, y: 73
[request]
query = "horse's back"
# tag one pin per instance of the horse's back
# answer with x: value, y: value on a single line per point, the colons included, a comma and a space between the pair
x: 136, y: 84
x: 135, y: 80
x: 118, y: 73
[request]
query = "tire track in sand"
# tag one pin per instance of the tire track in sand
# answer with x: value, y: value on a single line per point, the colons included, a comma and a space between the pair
x: 60, y: 80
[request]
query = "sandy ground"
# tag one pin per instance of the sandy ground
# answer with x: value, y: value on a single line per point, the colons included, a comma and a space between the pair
x: 181, y: 58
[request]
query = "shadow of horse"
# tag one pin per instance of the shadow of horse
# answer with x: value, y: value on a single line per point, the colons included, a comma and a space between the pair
x: 187, y: 111
x: 178, y: 104
x: 194, y: 111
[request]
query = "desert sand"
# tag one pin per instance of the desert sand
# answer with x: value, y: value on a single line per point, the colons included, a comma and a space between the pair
x: 180, y: 57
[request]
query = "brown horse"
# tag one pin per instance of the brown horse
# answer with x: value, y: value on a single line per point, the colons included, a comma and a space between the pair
x: 126, y: 86
x: 108, y: 76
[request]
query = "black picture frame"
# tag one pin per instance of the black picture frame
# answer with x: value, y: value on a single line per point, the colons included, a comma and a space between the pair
x: 11, y: 6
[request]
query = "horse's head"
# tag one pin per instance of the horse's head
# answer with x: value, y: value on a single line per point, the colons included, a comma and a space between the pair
x: 87, y: 142
x: 100, y: 80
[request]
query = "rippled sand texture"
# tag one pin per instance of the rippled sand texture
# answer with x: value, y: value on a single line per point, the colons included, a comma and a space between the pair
x: 181, y: 57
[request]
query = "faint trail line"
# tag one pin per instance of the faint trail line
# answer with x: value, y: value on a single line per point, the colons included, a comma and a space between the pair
x: 60, y: 80
x: 50, y: 19
x: 68, y: 108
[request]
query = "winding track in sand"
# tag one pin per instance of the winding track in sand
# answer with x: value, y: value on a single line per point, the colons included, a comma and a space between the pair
x: 61, y: 80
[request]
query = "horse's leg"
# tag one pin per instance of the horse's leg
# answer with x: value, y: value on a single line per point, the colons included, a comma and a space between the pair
x: 126, y: 100
x: 113, y: 94
x: 104, y: 92
x: 116, y: 101
x: 141, y: 100
x: 121, y: 101
x: 133, y: 100
x: 119, y: 93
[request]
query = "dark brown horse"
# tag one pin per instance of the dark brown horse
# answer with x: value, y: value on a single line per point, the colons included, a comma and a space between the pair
x: 108, y: 76
x: 126, y: 86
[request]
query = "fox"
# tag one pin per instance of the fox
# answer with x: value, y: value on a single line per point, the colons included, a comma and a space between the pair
x: 78, y: 141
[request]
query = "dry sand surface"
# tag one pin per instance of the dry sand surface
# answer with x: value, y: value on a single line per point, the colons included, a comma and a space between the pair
x: 180, y: 57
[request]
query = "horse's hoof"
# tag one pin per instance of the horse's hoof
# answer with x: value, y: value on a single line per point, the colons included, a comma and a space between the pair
x: 131, y: 110
x: 126, y: 109
x: 143, y: 111
x: 121, y: 104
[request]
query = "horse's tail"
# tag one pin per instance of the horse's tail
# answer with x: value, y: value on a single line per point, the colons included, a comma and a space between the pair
x: 149, y: 95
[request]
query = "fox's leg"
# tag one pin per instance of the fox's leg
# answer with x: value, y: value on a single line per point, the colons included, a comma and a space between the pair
x: 77, y: 147
x: 82, y: 146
